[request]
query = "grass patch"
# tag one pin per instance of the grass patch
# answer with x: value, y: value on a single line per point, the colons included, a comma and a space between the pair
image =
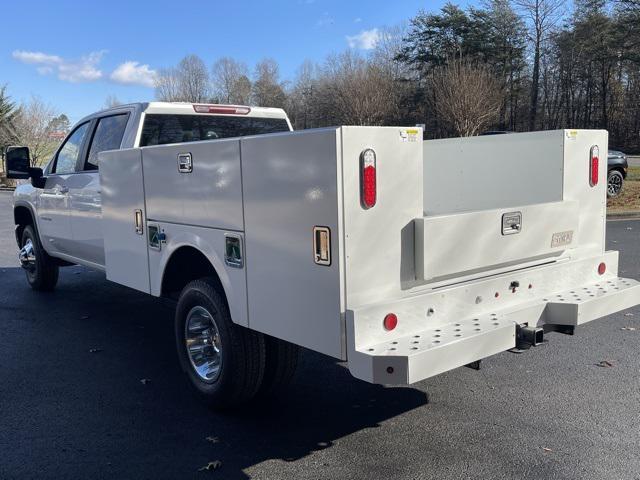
x: 633, y: 175
x: 629, y: 199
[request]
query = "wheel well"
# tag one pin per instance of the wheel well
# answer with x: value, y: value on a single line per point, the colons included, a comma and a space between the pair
x: 621, y: 170
x: 187, y: 264
x: 22, y: 217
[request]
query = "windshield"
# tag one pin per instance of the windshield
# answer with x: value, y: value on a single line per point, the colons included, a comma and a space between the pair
x: 160, y: 129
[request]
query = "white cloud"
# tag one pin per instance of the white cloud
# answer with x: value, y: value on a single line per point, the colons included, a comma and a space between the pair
x: 133, y: 73
x: 74, y: 71
x: 365, y: 40
x: 36, y: 58
x: 357, y: 20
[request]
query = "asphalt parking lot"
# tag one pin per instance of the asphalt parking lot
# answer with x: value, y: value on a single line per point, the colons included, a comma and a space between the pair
x: 72, y: 404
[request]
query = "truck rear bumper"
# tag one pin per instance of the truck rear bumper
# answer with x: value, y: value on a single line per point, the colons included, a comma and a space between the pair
x: 439, y: 346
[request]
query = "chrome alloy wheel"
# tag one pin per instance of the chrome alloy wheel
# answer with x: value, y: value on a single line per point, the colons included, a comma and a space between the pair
x: 204, y: 348
x: 27, y: 256
x: 614, y: 184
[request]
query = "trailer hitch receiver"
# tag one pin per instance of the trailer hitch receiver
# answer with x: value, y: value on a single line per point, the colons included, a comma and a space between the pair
x: 527, y: 336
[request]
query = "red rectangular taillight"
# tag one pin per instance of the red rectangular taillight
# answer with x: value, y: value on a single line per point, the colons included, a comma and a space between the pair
x: 594, y: 165
x: 368, y: 181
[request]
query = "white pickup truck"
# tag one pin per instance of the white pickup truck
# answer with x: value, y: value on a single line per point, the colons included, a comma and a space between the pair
x: 401, y: 257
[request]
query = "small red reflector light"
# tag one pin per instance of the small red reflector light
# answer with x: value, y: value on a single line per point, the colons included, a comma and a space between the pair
x: 368, y: 187
x: 594, y: 165
x: 602, y: 268
x: 222, y: 109
x: 390, y: 321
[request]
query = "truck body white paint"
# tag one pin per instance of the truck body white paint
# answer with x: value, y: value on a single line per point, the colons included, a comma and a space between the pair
x: 469, y: 241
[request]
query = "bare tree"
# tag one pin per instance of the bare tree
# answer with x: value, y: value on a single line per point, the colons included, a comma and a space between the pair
x: 466, y: 97
x: 631, y: 4
x: 300, y: 101
x: 35, y: 128
x: 194, y: 79
x: 388, y: 49
x: 243, y: 89
x: 268, y: 91
x: 399, y: 76
x: 355, y: 91
x: 231, y: 82
x: 168, y: 85
x: 112, y: 101
x: 543, y: 16
x: 188, y: 82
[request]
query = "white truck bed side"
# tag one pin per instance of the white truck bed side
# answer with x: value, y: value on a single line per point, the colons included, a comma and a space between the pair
x: 470, y: 242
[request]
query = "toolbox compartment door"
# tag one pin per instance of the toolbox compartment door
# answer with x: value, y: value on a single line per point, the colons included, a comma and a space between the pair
x: 465, y: 243
x: 124, y: 218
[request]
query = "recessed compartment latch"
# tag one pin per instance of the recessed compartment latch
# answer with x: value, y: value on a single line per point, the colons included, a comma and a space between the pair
x: 511, y: 223
x: 185, y: 163
x: 322, y: 245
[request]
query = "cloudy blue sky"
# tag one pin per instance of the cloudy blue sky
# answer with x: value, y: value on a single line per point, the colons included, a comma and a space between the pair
x: 74, y: 54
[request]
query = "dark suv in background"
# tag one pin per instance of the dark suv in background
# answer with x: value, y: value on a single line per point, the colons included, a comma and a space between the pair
x: 616, y: 172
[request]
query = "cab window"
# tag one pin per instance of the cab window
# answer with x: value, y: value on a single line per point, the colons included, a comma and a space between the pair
x: 161, y: 129
x: 71, y: 150
x: 108, y: 136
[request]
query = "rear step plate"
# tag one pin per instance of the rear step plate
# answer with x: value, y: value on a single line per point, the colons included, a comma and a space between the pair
x: 432, y: 351
x: 583, y: 304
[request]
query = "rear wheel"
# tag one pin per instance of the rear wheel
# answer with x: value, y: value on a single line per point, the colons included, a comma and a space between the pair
x: 614, y: 183
x: 280, y: 366
x: 41, y: 269
x: 224, y: 362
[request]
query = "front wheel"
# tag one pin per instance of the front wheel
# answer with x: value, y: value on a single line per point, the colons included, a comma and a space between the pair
x: 614, y: 183
x: 41, y: 269
x: 224, y: 362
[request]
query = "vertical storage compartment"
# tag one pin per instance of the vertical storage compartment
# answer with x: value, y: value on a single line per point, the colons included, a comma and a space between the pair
x: 124, y: 218
x: 291, y: 197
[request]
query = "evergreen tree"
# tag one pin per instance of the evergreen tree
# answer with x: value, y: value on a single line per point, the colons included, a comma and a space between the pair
x: 8, y: 113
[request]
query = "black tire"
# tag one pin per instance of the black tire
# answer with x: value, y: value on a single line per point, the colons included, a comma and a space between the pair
x: 43, y: 276
x: 615, y: 181
x: 280, y: 366
x: 242, y: 351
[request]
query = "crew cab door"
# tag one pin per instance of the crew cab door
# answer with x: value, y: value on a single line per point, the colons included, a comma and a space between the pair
x: 85, y: 205
x: 53, y: 201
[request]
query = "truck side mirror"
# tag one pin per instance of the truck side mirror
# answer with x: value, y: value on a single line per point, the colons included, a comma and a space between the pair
x: 18, y: 166
x: 18, y: 163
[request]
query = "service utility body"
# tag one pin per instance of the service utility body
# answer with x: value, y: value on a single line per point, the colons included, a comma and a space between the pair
x: 405, y: 258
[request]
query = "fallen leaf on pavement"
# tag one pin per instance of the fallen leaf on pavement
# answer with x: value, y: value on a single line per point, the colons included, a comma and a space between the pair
x: 631, y: 329
x: 545, y: 449
x: 212, y: 439
x: 216, y: 464
x: 605, y: 364
x: 628, y: 314
x: 144, y: 381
